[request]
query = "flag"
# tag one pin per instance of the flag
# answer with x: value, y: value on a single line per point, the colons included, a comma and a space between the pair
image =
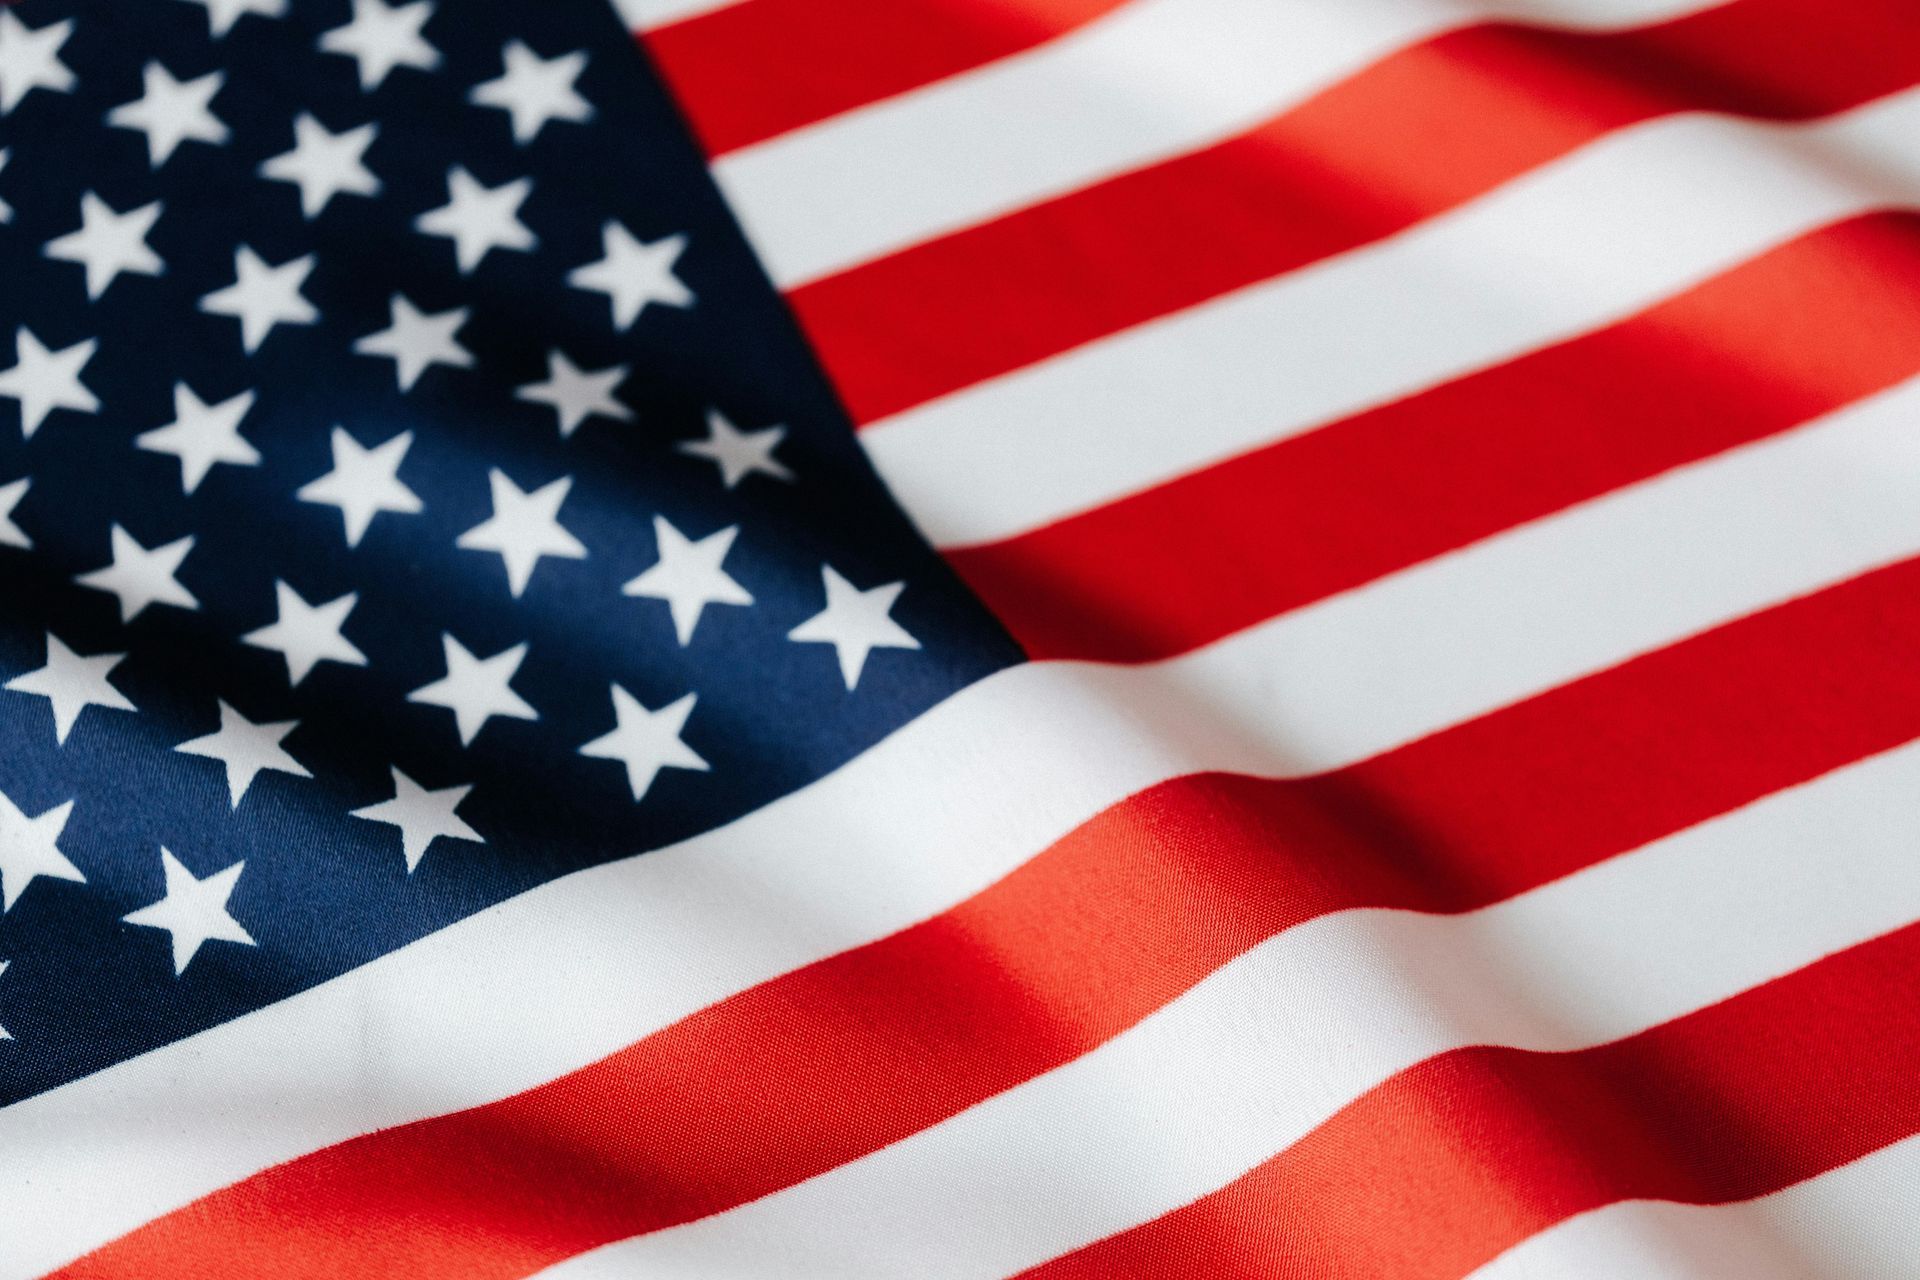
x: 1048, y: 638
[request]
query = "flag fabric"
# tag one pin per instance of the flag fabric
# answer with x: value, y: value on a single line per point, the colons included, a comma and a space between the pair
x: 963, y: 639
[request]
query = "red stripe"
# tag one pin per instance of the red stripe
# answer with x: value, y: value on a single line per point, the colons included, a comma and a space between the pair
x: 1785, y: 338
x: 758, y: 69
x: 1456, y: 1160
x: 823, y: 1065
x: 1418, y: 133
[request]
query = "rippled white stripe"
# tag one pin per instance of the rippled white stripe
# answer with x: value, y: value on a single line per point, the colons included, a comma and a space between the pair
x: 643, y: 15
x: 516, y: 995
x: 1573, y: 246
x: 1148, y: 81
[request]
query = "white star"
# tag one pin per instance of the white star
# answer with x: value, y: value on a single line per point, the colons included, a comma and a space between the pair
x: 422, y: 816
x: 535, y: 90
x: 574, y: 394
x: 71, y: 683
x: 6, y: 210
x: 381, y: 38
x: 108, y: 243
x: 43, y: 380
x: 416, y: 340
x: 739, y: 453
x: 479, y: 219
x: 194, y: 911
x: 688, y: 576
x: 27, y: 849
x: 202, y: 435
x: 245, y: 749
x: 142, y: 576
x: 222, y: 14
x: 475, y: 689
x: 11, y: 534
x: 647, y: 741
x: 855, y: 623
x: 307, y: 634
x: 324, y: 164
x: 30, y: 59
x: 170, y: 112
x: 4, y: 1033
x: 261, y: 296
x: 364, y: 482
x: 633, y: 274
x: 523, y: 527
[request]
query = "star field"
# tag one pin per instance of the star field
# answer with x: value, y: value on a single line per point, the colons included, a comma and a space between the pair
x: 410, y: 491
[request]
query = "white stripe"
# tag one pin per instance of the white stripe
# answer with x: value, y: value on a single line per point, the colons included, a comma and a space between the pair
x: 1148, y: 81
x: 1274, y: 1043
x: 495, y: 1004
x: 1576, y: 245
x: 644, y: 15
x: 1856, y: 1222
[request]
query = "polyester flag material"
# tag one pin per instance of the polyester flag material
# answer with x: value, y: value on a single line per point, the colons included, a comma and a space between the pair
x: 762, y: 639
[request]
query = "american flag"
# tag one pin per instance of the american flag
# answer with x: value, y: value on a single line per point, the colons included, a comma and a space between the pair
x: 832, y: 640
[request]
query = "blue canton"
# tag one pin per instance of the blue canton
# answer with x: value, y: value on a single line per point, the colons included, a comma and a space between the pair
x: 411, y: 490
